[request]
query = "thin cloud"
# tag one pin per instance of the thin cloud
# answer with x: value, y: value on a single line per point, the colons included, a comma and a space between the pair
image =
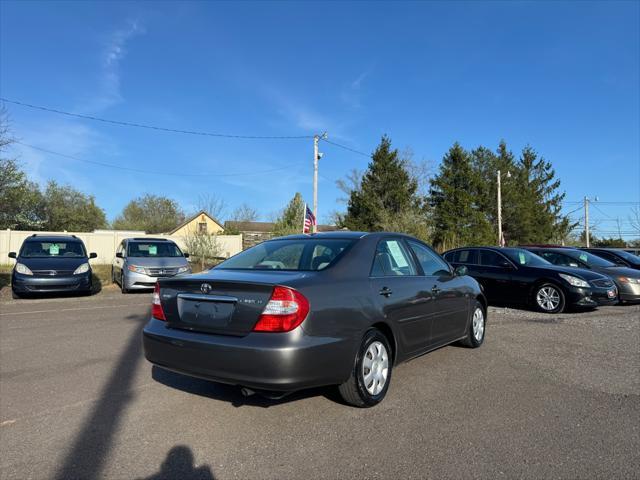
x: 115, y: 51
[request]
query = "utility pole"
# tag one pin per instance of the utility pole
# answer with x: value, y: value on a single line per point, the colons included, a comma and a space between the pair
x: 500, y: 236
x: 499, y: 211
x: 586, y: 219
x: 316, y: 157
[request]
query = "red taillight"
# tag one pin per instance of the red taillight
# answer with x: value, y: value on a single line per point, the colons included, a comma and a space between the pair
x: 156, y: 306
x: 287, y: 308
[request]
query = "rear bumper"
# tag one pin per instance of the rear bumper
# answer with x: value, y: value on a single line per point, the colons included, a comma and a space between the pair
x: 262, y: 361
x: 32, y: 284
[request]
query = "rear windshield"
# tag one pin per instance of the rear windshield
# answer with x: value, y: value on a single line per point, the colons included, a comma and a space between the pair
x: 153, y: 249
x: 525, y: 257
x: 48, y: 249
x: 300, y: 255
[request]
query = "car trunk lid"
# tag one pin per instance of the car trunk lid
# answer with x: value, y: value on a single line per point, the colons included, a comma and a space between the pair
x: 219, y: 302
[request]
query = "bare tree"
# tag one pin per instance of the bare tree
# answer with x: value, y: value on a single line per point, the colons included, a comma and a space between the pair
x: 215, y: 206
x: 350, y: 183
x: 634, y: 219
x: 245, y: 213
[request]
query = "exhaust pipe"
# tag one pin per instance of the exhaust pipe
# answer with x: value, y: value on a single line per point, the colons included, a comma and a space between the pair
x: 246, y: 392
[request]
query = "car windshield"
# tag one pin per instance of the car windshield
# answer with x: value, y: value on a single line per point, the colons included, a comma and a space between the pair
x: 153, y: 249
x: 524, y: 257
x: 52, y: 249
x: 629, y: 257
x: 295, y: 254
x: 589, y: 258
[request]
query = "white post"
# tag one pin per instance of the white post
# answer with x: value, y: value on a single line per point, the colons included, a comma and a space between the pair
x: 499, y: 212
x: 304, y: 216
x: 586, y: 219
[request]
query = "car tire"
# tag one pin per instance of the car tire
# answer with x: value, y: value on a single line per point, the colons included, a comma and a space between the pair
x: 477, y: 326
x: 549, y: 298
x: 123, y: 289
x: 371, y: 373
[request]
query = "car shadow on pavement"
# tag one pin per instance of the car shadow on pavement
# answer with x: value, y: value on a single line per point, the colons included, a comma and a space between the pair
x: 232, y: 393
x: 180, y: 464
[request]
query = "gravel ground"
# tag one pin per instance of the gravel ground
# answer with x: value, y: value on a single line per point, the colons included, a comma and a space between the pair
x: 545, y: 396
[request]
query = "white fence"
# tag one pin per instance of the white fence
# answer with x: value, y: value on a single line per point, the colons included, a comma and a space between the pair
x: 105, y: 242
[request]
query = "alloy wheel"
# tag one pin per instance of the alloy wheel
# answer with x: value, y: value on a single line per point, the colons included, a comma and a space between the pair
x: 548, y: 298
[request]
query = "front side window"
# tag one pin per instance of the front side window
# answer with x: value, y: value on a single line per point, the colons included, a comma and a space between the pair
x: 44, y: 249
x: 153, y: 249
x: 431, y: 263
x: 392, y: 259
x: 296, y: 254
x: 490, y: 258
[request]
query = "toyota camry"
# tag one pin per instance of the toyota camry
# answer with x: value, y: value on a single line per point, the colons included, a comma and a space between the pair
x: 339, y: 308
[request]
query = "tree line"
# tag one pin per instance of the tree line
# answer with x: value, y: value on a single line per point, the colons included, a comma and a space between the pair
x: 459, y: 207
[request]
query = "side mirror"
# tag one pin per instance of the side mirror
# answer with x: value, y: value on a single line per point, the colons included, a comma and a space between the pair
x: 12, y: 255
x: 460, y: 271
x: 573, y: 264
x: 186, y: 255
x: 119, y: 255
x: 93, y: 255
x: 505, y: 264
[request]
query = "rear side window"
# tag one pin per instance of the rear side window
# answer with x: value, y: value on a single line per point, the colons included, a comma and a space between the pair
x: 392, y: 259
x: 463, y: 256
x: 431, y: 263
x: 490, y: 258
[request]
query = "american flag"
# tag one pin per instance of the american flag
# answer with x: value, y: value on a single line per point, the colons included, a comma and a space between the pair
x: 309, y: 220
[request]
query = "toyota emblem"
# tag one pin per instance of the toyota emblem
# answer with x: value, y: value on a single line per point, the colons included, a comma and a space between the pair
x: 205, y: 288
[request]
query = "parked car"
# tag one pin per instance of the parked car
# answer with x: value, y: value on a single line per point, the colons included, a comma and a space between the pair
x: 140, y: 262
x: 513, y: 276
x: 618, y: 256
x: 626, y: 279
x: 336, y: 308
x: 51, y: 263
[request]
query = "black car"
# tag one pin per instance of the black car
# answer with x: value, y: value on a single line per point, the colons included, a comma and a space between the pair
x: 51, y: 263
x: 514, y: 276
x: 620, y: 257
x: 626, y: 279
x: 338, y: 308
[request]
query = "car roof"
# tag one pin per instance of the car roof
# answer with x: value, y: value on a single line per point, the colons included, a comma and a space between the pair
x: 341, y: 234
x: 148, y: 239
x: 52, y: 238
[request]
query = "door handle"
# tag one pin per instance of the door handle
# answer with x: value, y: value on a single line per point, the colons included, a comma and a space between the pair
x: 385, y: 292
x: 435, y: 290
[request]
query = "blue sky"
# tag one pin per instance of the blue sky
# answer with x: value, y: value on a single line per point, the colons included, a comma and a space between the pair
x: 563, y: 77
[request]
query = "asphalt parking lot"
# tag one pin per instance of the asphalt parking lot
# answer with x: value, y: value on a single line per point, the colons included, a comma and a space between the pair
x: 546, y: 396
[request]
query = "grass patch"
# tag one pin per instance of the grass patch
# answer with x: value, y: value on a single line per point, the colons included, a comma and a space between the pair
x: 102, y: 274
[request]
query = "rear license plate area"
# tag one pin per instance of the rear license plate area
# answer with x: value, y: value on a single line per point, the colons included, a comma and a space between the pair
x: 206, y: 314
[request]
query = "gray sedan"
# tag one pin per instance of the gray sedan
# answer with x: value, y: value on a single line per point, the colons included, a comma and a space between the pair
x: 339, y: 308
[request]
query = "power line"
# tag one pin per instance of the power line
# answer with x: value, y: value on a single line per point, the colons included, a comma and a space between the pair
x: 604, y: 203
x: 151, y: 171
x: 346, y: 148
x: 154, y: 127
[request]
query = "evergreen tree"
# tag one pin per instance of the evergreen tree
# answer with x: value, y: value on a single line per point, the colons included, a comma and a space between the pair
x: 386, y: 192
x: 539, y: 201
x: 455, y: 199
x: 290, y: 221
